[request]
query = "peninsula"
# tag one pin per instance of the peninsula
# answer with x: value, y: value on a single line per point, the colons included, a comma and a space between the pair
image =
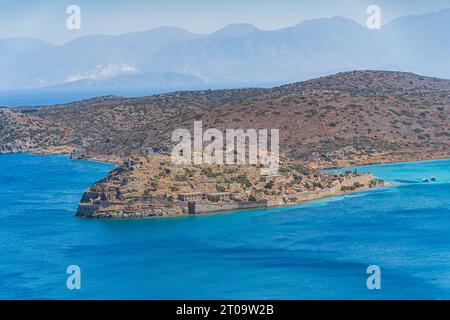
x: 153, y: 186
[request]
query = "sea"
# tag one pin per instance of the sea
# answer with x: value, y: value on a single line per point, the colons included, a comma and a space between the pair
x: 54, y: 96
x: 317, y: 250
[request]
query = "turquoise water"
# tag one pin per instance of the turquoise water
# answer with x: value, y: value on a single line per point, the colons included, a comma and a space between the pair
x: 312, y: 251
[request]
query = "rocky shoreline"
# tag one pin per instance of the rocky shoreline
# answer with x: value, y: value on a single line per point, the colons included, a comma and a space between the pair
x: 147, y: 209
x: 153, y: 187
x: 183, y: 210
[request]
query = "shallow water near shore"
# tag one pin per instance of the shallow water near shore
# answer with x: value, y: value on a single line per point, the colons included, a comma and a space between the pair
x: 311, y: 251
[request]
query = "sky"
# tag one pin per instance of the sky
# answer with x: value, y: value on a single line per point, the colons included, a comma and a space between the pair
x: 46, y: 19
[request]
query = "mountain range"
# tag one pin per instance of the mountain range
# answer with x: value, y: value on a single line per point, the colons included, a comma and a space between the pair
x: 238, y: 53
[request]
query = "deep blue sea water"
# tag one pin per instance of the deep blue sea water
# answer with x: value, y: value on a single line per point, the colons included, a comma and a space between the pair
x: 311, y: 251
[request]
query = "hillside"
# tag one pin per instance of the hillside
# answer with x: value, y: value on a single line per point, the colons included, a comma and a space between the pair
x: 348, y: 118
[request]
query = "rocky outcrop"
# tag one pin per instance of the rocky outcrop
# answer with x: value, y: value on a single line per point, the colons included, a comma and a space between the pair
x: 5, y: 148
x: 155, y: 187
x: 77, y: 155
x: 101, y: 212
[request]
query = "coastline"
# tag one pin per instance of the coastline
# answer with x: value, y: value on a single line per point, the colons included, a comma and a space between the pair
x: 236, y: 211
x: 232, y: 212
x: 95, y: 204
x: 316, y: 196
x: 326, y: 193
x: 371, y: 162
x: 299, y: 204
x: 95, y: 160
x: 342, y: 164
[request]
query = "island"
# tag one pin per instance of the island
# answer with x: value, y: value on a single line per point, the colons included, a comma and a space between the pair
x: 154, y: 186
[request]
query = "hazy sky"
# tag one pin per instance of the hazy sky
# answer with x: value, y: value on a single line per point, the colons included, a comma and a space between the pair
x: 46, y: 19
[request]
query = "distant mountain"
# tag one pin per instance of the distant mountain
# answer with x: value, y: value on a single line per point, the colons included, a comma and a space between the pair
x: 153, y: 80
x: 237, y: 53
x: 420, y: 44
x: 32, y: 63
x: 309, y: 49
x: 235, y: 30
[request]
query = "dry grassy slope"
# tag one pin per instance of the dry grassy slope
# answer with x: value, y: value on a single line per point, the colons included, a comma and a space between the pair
x: 158, y: 176
x: 371, y: 83
x: 360, y: 117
